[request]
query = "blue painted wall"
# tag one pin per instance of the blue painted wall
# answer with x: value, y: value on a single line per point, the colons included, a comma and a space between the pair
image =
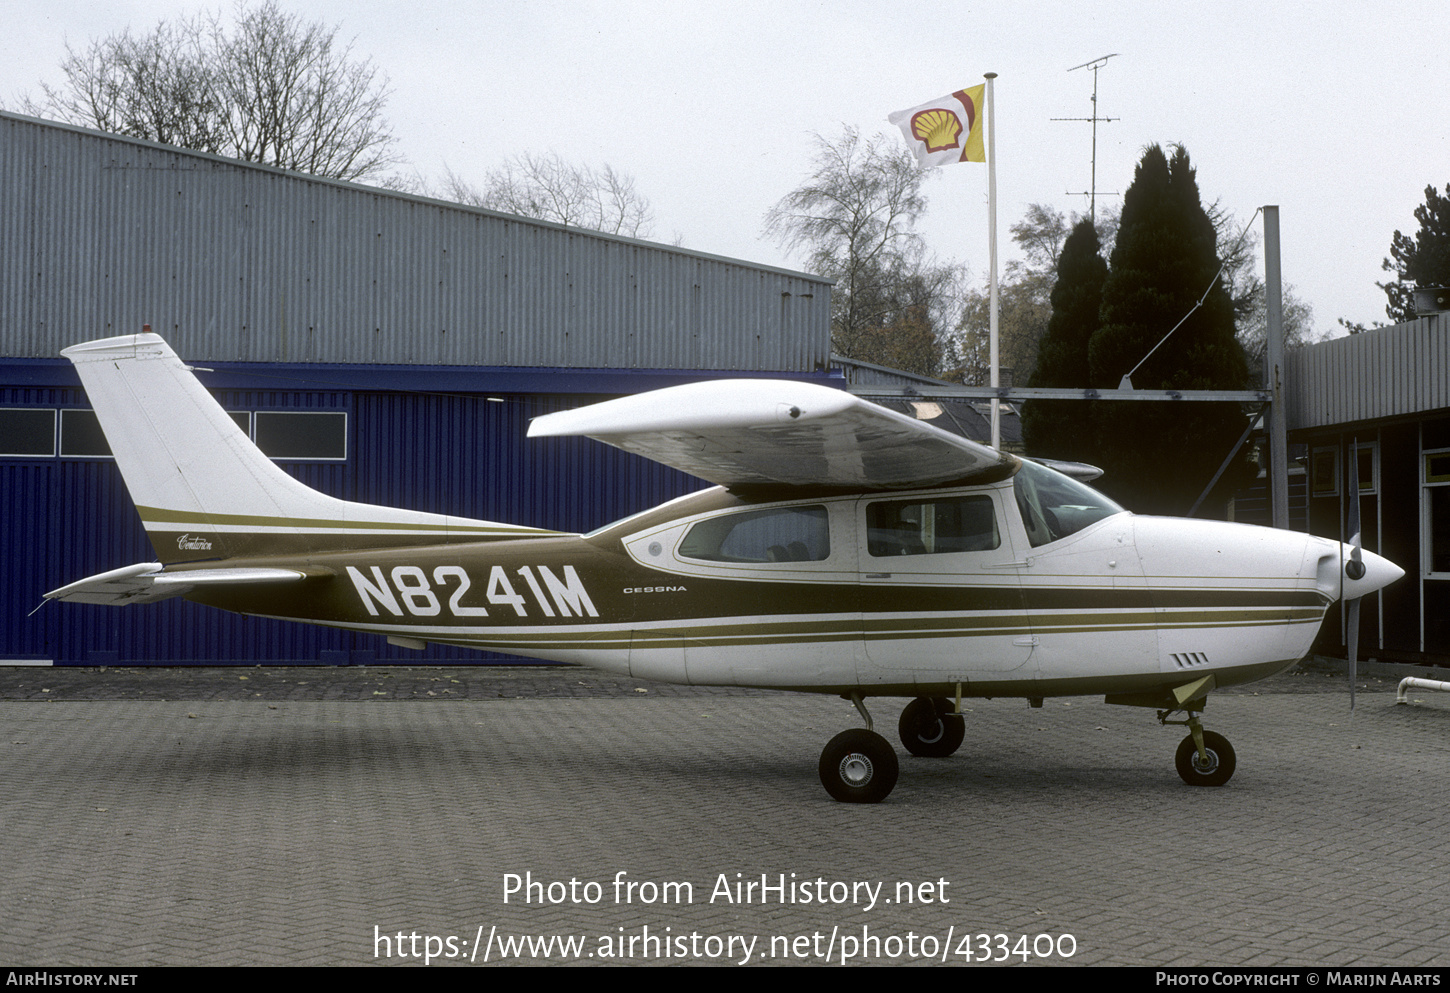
x: 439, y: 444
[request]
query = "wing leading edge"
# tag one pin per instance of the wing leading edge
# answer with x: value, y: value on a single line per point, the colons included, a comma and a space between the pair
x: 743, y: 433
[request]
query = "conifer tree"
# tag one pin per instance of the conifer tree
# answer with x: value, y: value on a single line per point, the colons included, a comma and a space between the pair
x: 1062, y: 429
x: 1158, y: 456
x: 1423, y: 260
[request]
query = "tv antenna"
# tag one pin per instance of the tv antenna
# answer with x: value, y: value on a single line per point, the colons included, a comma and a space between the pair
x: 1092, y: 192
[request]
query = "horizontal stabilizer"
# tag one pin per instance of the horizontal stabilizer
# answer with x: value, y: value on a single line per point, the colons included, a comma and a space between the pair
x: 145, y: 582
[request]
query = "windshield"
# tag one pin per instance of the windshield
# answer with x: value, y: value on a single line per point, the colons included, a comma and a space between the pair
x: 1054, y: 506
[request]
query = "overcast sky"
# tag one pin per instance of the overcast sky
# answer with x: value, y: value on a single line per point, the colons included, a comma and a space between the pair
x: 1337, y: 112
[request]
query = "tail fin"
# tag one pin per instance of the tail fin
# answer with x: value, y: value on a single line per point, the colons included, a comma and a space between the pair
x: 204, y: 491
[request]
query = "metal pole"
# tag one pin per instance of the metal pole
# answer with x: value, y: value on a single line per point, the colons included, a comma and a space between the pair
x: 1274, y: 373
x: 1093, y: 189
x: 992, y: 237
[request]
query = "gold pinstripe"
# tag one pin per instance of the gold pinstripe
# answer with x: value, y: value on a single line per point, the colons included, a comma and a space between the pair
x: 768, y: 632
x: 154, y: 516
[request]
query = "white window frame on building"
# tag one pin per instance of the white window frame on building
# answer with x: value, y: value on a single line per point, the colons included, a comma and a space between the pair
x: 75, y: 434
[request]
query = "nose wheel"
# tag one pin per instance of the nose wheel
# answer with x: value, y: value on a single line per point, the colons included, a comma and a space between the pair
x: 1204, y: 758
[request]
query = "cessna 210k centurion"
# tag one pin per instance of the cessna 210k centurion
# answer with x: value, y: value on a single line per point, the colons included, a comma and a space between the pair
x: 846, y: 549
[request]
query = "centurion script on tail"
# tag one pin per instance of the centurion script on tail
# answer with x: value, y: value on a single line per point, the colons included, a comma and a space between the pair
x: 845, y: 549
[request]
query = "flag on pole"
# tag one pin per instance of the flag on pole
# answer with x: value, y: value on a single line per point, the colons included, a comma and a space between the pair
x: 945, y: 130
x: 951, y: 129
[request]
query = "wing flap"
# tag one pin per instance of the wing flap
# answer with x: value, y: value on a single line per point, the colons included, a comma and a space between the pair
x: 776, y: 432
x: 146, y: 583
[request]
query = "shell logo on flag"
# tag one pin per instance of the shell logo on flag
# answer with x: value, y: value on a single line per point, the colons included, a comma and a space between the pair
x: 937, y: 128
x: 945, y: 130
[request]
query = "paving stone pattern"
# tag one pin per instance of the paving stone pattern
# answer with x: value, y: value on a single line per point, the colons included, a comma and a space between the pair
x: 312, y: 816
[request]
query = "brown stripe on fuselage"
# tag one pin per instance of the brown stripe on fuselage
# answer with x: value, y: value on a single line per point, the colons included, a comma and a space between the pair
x: 659, y: 605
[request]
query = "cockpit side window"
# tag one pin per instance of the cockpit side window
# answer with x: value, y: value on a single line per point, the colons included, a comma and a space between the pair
x: 931, y: 527
x: 1054, y: 506
x: 781, y: 534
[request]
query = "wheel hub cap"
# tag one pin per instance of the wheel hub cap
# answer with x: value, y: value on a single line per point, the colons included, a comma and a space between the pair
x: 856, y: 769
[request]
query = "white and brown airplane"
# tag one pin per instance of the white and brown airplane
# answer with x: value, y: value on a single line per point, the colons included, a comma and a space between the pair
x: 846, y: 549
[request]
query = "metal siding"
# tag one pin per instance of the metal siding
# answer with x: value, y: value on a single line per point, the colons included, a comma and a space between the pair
x: 860, y: 376
x: 234, y: 262
x: 238, y: 263
x: 441, y: 453
x: 469, y: 456
x: 1397, y: 371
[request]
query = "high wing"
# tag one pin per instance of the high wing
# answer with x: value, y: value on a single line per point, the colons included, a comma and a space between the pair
x: 743, y: 433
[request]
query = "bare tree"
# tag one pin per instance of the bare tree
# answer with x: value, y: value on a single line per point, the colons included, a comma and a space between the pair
x: 550, y: 189
x: 159, y: 86
x: 854, y: 218
x: 270, y: 89
x: 1253, y: 328
x: 1024, y: 313
x: 297, y: 99
x: 1040, y: 234
x: 1025, y: 295
x: 1043, y: 231
x: 1238, y: 247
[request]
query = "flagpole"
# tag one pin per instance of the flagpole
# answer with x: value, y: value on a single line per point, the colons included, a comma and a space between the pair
x: 992, y: 237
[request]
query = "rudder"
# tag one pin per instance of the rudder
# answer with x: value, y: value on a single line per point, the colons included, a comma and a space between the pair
x: 204, y: 491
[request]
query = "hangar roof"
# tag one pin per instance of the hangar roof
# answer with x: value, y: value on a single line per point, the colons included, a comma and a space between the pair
x: 1392, y: 372
x: 233, y: 261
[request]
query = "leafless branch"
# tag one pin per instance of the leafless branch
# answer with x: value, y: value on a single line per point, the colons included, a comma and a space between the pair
x: 268, y: 88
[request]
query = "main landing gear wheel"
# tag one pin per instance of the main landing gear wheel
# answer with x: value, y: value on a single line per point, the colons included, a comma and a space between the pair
x: 1215, y: 770
x: 858, y: 766
x: 929, y: 729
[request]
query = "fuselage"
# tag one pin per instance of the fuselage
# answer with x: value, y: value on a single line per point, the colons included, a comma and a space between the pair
x: 1023, y: 587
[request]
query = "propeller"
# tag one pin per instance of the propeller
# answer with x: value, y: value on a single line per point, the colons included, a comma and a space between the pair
x: 1354, y: 570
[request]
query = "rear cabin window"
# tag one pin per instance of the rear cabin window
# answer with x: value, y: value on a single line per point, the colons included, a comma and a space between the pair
x: 931, y: 527
x: 783, y: 534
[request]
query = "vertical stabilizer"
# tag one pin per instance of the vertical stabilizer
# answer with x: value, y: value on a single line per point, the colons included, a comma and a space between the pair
x: 204, y: 491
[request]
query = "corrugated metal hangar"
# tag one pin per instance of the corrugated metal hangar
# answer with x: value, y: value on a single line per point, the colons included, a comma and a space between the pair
x: 1379, y: 402
x: 384, y: 348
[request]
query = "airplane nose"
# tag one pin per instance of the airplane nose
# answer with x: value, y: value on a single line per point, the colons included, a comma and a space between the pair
x: 1379, y: 572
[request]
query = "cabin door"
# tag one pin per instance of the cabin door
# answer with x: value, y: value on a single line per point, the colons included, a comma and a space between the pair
x: 941, y: 589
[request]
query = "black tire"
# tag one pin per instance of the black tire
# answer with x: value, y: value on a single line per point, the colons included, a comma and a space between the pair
x: 1219, y: 768
x: 929, y: 729
x: 858, y: 766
